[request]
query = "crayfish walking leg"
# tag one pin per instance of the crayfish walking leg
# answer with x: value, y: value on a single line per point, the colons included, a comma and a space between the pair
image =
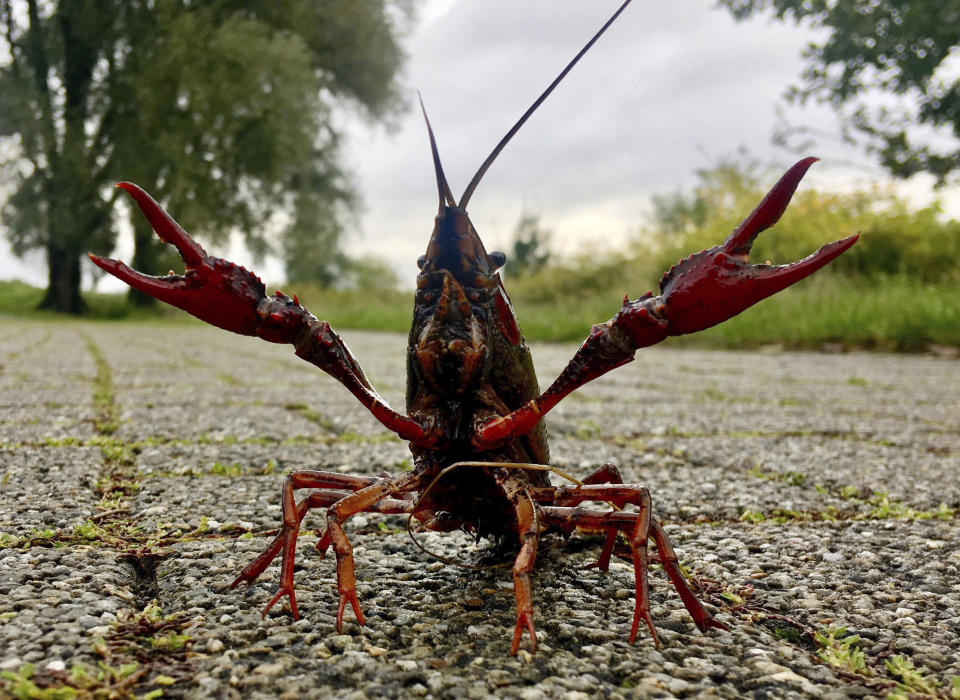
x: 369, y: 494
x: 607, y: 474
x: 639, y: 527
x: 526, y: 514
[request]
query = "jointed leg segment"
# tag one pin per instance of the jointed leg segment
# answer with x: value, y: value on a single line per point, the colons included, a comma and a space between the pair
x: 607, y: 474
x: 525, y: 511
x: 371, y: 494
x: 639, y: 526
x: 534, y: 508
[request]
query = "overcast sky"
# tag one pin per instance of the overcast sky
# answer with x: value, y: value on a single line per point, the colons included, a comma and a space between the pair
x: 670, y: 88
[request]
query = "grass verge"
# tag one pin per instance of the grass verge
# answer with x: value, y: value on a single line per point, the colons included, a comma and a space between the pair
x: 894, y: 313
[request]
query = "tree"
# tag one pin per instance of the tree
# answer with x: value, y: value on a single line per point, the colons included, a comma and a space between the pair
x: 529, y: 251
x: 221, y: 110
x: 885, y: 67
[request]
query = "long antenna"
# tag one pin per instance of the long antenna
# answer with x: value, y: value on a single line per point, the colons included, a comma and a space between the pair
x: 526, y: 115
x: 442, y: 187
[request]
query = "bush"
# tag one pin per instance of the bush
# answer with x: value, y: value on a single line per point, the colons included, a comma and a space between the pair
x: 895, y: 240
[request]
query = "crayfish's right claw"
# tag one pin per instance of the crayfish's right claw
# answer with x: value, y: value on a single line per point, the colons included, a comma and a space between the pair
x: 212, y: 289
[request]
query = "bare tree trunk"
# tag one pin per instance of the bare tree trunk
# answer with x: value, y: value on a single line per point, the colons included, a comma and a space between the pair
x: 63, y: 286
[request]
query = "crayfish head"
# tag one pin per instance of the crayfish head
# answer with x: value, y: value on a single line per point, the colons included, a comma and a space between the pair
x: 456, y: 248
x: 456, y: 307
x: 451, y: 346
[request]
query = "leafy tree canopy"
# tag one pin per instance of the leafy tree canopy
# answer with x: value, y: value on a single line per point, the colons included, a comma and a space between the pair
x: 530, y: 248
x: 222, y: 110
x: 887, y: 67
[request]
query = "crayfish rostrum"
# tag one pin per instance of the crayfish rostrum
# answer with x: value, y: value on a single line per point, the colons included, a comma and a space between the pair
x: 474, y: 412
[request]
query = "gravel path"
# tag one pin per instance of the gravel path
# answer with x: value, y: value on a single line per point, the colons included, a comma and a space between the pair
x: 804, y: 492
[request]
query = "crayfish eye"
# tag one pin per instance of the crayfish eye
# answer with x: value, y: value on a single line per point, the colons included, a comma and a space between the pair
x: 421, y: 261
x: 498, y: 258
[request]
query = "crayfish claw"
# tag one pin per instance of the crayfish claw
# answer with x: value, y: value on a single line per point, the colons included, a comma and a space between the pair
x: 166, y: 228
x: 769, y: 211
x: 774, y: 278
x: 163, y: 288
x: 212, y: 289
x: 713, y: 285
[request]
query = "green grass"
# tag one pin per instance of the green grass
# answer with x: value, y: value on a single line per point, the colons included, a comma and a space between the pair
x: 21, y: 300
x: 381, y: 310
x: 886, y: 313
x: 893, y: 313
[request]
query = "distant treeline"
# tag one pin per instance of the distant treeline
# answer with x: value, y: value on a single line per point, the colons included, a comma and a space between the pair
x: 897, y: 289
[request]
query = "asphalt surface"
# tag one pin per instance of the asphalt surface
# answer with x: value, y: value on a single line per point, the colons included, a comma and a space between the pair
x: 141, y: 466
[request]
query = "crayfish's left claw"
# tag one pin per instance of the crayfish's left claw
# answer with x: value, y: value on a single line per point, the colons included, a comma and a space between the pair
x: 698, y: 292
x: 713, y: 285
x: 212, y: 289
x: 769, y: 211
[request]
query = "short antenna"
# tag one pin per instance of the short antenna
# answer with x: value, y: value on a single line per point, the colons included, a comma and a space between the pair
x: 526, y: 115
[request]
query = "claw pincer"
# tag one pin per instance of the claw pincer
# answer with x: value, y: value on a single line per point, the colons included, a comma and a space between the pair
x: 212, y: 289
x: 715, y: 284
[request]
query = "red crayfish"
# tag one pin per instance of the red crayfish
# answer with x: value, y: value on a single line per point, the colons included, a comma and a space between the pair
x: 474, y: 412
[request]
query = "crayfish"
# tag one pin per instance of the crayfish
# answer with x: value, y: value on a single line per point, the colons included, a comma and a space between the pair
x: 474, y: 412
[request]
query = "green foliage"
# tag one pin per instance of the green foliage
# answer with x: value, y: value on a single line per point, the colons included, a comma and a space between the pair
x: 138, y: 644
x: 895, y: 239
x: 20, y: 685
x: 562, y: 301
x: 839, y: 649
x: 912, y: 679
x: 895, y: 313
x: 897, y: 289
x: 87, y: 530
x: 373, y: 309
x: 369, y: 273
x: 220, y: 469
x: 883, y: 507
x: 732, y: 598
x: 752, y: 516
x: 21, y: 299
x: 530, y: 249
x: 894, y: 49
x: 221, y: 110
